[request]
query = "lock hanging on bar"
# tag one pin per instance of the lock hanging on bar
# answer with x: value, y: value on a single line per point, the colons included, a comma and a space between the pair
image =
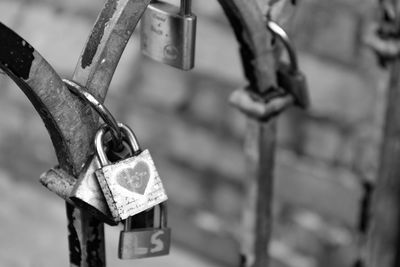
x: 131, y: 185
x: 168, y: 34
x: 87, y: 193
x: 289, y: 76
x: 145, y: 242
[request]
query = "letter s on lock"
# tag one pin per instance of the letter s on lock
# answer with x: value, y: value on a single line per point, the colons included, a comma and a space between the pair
x: 158, y: 243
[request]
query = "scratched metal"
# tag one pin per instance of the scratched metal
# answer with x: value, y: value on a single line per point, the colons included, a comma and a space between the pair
x: 60, y: 111
x: 105, y: 45
x: 49, y: 96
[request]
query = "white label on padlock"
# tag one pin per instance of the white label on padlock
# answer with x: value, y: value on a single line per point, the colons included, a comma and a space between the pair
x: 131, y: 185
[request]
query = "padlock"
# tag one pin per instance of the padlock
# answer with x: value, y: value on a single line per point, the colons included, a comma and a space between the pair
x: 131, y: 185
x: 295, y: 83
x: 146, y: 242
x: 289, y: 76
x: 168, y: 34
x: 87, y: 193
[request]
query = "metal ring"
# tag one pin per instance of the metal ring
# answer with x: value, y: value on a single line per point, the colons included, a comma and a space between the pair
x: 282, y: 35
x: 104, y: 113
x: 128, y: 134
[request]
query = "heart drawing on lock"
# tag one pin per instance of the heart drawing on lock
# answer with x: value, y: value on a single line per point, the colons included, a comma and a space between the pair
x: 134, y: 179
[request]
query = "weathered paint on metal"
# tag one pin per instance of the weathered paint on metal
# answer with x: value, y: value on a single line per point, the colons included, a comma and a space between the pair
x: 15, y: 54
x: 59, y: 182
x: 95, y: 69
x: 97, y: 33
x: 116, y: 22
x: 47, y: 93
x: 75, y: 250
x: 59, y: 110
x: 69, y: 121
x: 71, y: 125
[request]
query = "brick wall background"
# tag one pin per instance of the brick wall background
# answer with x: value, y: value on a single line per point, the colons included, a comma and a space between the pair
x: 323, y: 156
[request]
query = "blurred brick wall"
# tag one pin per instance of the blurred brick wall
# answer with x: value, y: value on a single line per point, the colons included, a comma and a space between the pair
x: 196, y: 138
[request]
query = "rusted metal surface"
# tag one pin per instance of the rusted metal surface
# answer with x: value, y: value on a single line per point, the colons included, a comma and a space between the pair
x: 249, y: 26
x: 99, y: 59
x: 72, y: 124
x: 62, y: 115
x: 59, y: 182
x: 95, y: 69
x: 48, y: 94
x: 383, y: 244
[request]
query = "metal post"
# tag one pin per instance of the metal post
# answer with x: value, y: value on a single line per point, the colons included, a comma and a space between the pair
x: 257, y: 215
x: 258, y: 57
x: 383, y: 240
x: 384, y: 235
x: 95, y: 69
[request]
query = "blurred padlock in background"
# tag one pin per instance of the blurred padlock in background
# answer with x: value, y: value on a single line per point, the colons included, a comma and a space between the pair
x: 196, y: 138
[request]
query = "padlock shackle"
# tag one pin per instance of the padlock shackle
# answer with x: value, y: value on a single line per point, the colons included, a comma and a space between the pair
x: 163, y: 215
x: 128, y: 136
x: 127, y: 223
x: 186, y: 7
x: 163, y: 210
x: 280, y: 33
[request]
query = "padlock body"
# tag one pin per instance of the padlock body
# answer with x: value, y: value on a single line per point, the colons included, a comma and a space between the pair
x: 168, y: 36
x: 144, y: 243
x: 87, y: 193
x: 294, y: 83
x: 131, y: 186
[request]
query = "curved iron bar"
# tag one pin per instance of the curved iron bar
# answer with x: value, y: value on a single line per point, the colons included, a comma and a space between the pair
x: 70, y: 122
x: 45, y: 89
x: 258, y: 62
x: 248, y: 24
